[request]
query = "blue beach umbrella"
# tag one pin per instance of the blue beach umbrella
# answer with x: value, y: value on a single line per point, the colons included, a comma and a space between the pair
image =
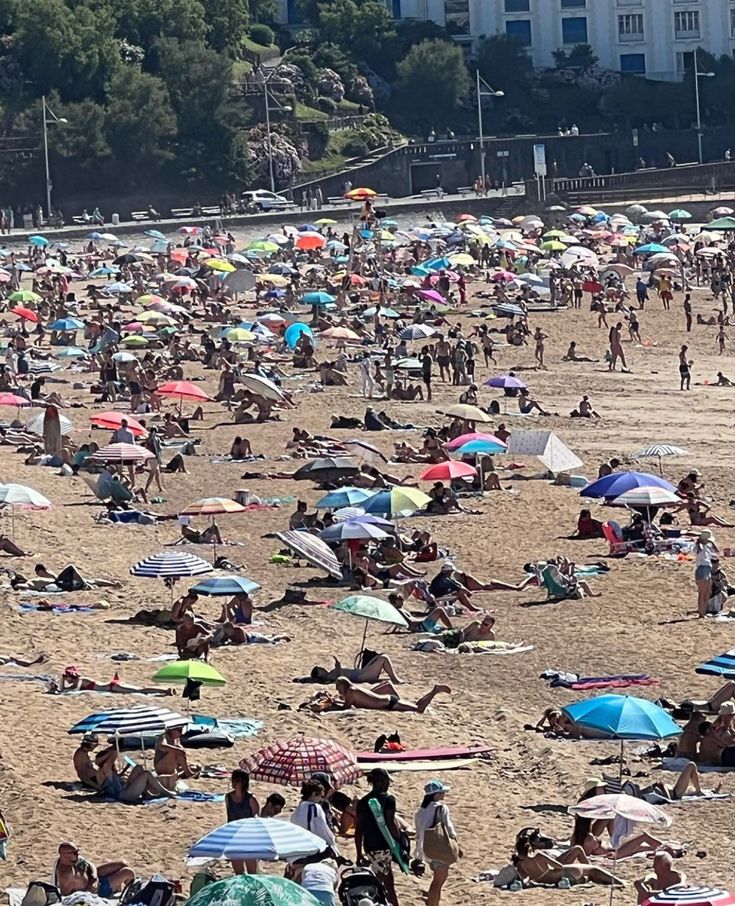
x: 474, y: 447
x: 294, y: 331
x: 38, y: 240
x: 216, y: 586
x: 72, y: 352
x: 154, y: 234
x: 66, y: 324
x: 343, y: 497
x: 619, y: 482
x: 268, y: 839
x: 317, y: 298
x: 651, y: 248
x: 623, y: 717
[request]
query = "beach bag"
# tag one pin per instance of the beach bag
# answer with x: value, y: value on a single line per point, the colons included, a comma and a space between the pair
x: 438, y: 845
x: 40, y: 893
x: 158, y: 891
x: 202, y: 879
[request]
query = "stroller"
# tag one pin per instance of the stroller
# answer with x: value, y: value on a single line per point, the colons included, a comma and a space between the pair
x: 358, y: 883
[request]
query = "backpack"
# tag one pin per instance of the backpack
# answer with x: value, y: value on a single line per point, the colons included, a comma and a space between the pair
x: 40, y: 893
x: 158, y: 891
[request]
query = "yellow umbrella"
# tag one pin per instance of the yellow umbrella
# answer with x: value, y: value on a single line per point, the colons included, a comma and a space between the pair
x: 274, y: 279
x: 217, y: 264
x: 462, y: 258
x: 325, y: 221
x: 149, y: 299
x: 133, y: 341
x: 239, y: 335
x: 157, y: 318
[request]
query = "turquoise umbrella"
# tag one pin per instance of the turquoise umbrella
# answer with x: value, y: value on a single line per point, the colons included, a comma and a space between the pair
x: 370, y: 608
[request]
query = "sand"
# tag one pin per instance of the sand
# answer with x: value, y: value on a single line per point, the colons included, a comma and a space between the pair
x: 643, y: 623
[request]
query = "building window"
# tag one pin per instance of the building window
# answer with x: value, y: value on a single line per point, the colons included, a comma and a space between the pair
x: 732, y: 23
x: 630, y: 27
x: 517, y: 6
x: 573, y: 4
x: 630, y: 2
x: 520, y: 29
x: 684, y: 62
x: 574, y: 30
x: 686, y: 23
x: 634, y: 63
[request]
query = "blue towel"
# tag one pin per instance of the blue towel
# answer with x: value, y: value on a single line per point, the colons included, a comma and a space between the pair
x: 721, y: 665
x: 25, y: 607
x: 188, y: 796
x: 237, y: 727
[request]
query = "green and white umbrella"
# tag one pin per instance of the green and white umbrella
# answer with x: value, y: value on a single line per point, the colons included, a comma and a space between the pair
x: 253, y: 890
x: 371, y: 608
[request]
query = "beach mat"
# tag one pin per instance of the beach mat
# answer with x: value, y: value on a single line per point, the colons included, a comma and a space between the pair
x: 440, y: 754
x: 678, y: 764
x: 448, y: 764
x: 721, y: 665
x: 188, y: 796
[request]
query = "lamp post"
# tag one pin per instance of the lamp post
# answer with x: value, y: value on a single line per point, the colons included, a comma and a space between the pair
x: 697, y: 76
x: 266, y: 98
x: 46, y: 110
x: 490, y: 93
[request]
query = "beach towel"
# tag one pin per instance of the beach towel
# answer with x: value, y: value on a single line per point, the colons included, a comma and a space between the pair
x: 439, y: 754
x: 27, y: 677
x: 57, y: 609
x: 568, y: 680
x: 188, y: 796
x: 449, y: 764
x: 721, y: 665
x: 678, y: 765
x: 239, y: 727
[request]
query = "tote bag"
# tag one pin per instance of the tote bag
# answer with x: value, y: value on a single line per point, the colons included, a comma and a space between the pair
x: 438, y: 845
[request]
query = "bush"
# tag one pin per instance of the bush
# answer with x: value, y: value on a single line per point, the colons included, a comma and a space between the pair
x: 327, y: 105
x: 354, y: 147
x: 262, y: 34
x: 317, y: 138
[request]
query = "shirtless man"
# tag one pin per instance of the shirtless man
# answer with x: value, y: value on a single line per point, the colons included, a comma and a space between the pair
x: 573, y: 356
x: 715, y: 748
x: 170, y: 756
x: 193, y: 638
x: 616, y: 348
x: 370, y: 673
x: 443, y: 352
x: 383, y: 697
x: 664, y: 876
x: 87, y: 771
x: 73, y: 874
x: 477, y: 631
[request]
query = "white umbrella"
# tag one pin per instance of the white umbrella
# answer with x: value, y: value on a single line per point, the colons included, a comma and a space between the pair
x: 35, y: 425
x: 170, y: 565
x: 262, y: 385
x: 660, y: 450
x: 18, y: 495
x: 257, y: 838
x: 122, y: 453
x: 648, y: 497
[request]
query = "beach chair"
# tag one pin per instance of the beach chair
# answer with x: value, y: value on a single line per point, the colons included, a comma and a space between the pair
x: 555, y: 589
x: 618, y: 547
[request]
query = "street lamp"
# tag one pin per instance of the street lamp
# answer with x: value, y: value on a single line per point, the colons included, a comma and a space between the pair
x: 268, y: 109
x: 489, y: 93
x: 697, y: 76
x: 54, y: 119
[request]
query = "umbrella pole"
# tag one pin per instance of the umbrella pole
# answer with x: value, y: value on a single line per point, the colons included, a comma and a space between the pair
x: 660, y: 467
x: 364, y: 636
x: 622, y: 749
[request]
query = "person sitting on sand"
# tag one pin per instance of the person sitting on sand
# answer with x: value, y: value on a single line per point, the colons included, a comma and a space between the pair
x: 130, y: 786
x: 87, y: 770
x: 527, y: 404
x: 383, y: 697
x: 477, y: 631
x: 210, y: 535
x: 445, y: 584
x: 428, y: 622
x: 700, y: 513
x: 443, y: 501
x: 584, y: 409
x: 591, y: 845
x: 557, y: 723
x: 170, y: 756
x: 240, y: 448
x: 723, y: 381
x: 74, y: 874
x: 664, y: 876
x: 193, y: 638
x: 73, y: 681
x: 238, y: 610
x: 371, y: 672
x: 573, y: 356
x: 587, y: 527
x: 716, y: 748
x: 537, y: 867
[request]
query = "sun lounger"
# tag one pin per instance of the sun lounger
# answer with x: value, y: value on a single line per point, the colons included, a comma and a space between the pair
x: 618, y: 547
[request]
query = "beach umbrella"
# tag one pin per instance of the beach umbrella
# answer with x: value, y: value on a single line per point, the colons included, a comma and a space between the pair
x: 479, y: 447
x: 620, y: 805
x: 294, y: 331
x: 432, y: 295
x: 479, y: 436
x: 446, y: 471
x: 623, y: 717
x: 194, y: 670
x: 505, y: 381
x: 24, y: 313
x: 353, y: 530
x: 659, y: 451
x: 262, y: 385
x: 221, y: 586
x: 213, y: 506
x: 312, y: 549
x: 467, y: 413
x: 134, y: 342
x: 618, y: 483
x: 19, y: 495
x: 113, y: 420
x: 38, y: 240
x: 310, y: 241
x: 684, y: 895
x: 340, y: 333
x: 342, y: 497
x: 183, y: 390
x: 170, y: 564
x: 122, y: 454
x: 35, y: 424
x: 680, y: 214
x: 647, y: 498
x: 722, y: 223
x: 123, y: 357
x: 253, y: 890
x: 124, y: 721
x: 363, y: 451
x: 24, y: 296
x: 290, y: 762
x: 218, y: 264
x: 71, y: 352
x: 154, y: 234
x: 317, y: 298
x: 66, y: 324
x: 266, y: 839
x: 417, y: 332
x: 369, y: 608
x: 12, y: 399
x: 326, y: 468
x: 720, y: 665
x: 360, y: 194
x: 396, y: 502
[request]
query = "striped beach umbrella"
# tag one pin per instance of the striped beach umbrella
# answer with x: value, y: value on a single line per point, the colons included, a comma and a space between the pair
x: 292, y: 761
x: 268, y: 839
x: 683, y: 895
x: 313, y: 550
x: 170, y: 564
x: 720, y: 665
x: 213, y: 506
x: 658, y: 451
x: 121, y: 453
x: 19, y: 495
x: 620, y: 805
x: 122, y: 721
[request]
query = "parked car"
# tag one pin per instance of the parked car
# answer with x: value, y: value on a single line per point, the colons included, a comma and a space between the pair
x: 263, y: 200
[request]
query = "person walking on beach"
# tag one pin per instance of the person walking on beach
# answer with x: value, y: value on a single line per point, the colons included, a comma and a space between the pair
x: 440, y: 849
x: 616, y: 348
x: 367, y: 376
x: 539, y: 337
x: 376, y: 831
x: 685, y: 365
x: 705, y: 551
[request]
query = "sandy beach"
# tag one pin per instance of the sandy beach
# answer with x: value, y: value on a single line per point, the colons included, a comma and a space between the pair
x: 644, y: 621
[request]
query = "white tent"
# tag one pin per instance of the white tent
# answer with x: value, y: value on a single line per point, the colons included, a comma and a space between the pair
x: 547, y: 447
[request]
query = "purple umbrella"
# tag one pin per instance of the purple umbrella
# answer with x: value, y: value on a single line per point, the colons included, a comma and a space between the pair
x: 505, y: 381
x: 433, y: 295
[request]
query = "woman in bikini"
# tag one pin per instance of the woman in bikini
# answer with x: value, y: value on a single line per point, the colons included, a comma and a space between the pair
x: 73, y: 681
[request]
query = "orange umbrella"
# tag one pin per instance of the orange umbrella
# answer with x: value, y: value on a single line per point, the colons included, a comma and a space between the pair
x: 25, y: 313
x: 360, y: 194
x: 310, y: 241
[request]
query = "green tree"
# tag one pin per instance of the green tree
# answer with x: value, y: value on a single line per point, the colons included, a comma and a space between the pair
x: 504, y: 63
x: 581, y: 56
x: 228, y: 24
x: 142, y: 22
x: 363, y: 28
x: 140, y: 123
x: 242, y: 166
x: 432, y: 80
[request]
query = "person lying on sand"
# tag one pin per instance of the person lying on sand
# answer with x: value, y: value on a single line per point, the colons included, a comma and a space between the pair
x: 22, y: 660
x: 229, y: 634
x: 664, y: 876
x: 428, y: 622
x: 8, y: 546
x: 170, y: 756
x: 712, y: 705
x: 573, y: 356
x: 591, y: 845
x: 73, y: 681
x: 536, y: 867
x: 371, y: 672
x: 383, y: 697
x: 476, y: 631
x: 210, y: 535
x: 74, y: 874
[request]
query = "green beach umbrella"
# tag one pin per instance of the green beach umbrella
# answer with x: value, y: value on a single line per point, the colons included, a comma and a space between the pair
x: 181, y: 671
x: 24, y: 295
x: 370, y: 608
x: 253, y: 890
x: 680, y: 214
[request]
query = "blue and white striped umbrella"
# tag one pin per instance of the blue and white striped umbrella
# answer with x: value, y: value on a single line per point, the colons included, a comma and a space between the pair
x: 123, y: 721
x: 659, y: 450
x: 257, y: 838
x: 171, y: 564
x: 225, y: 585
x: 353, y: 530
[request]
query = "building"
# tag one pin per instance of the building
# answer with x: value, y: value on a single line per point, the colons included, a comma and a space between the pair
x: 655, y: 38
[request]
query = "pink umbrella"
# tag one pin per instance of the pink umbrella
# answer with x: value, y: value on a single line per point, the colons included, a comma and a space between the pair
x: 433, y: 295
x: 122, y: 453
x: 446, y: 471
x: 473, y: 435
x: 11, y: 399
x: 502, y: 276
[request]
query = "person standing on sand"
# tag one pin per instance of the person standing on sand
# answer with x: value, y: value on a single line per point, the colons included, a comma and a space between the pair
x: 685, y: 365
x: 688, y: 311
x: 433, y: 812
x: 376, y: 831
x: 616, y: 349
x: 721, y: 340
x: 539, y: 337
x: 704, y: 552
